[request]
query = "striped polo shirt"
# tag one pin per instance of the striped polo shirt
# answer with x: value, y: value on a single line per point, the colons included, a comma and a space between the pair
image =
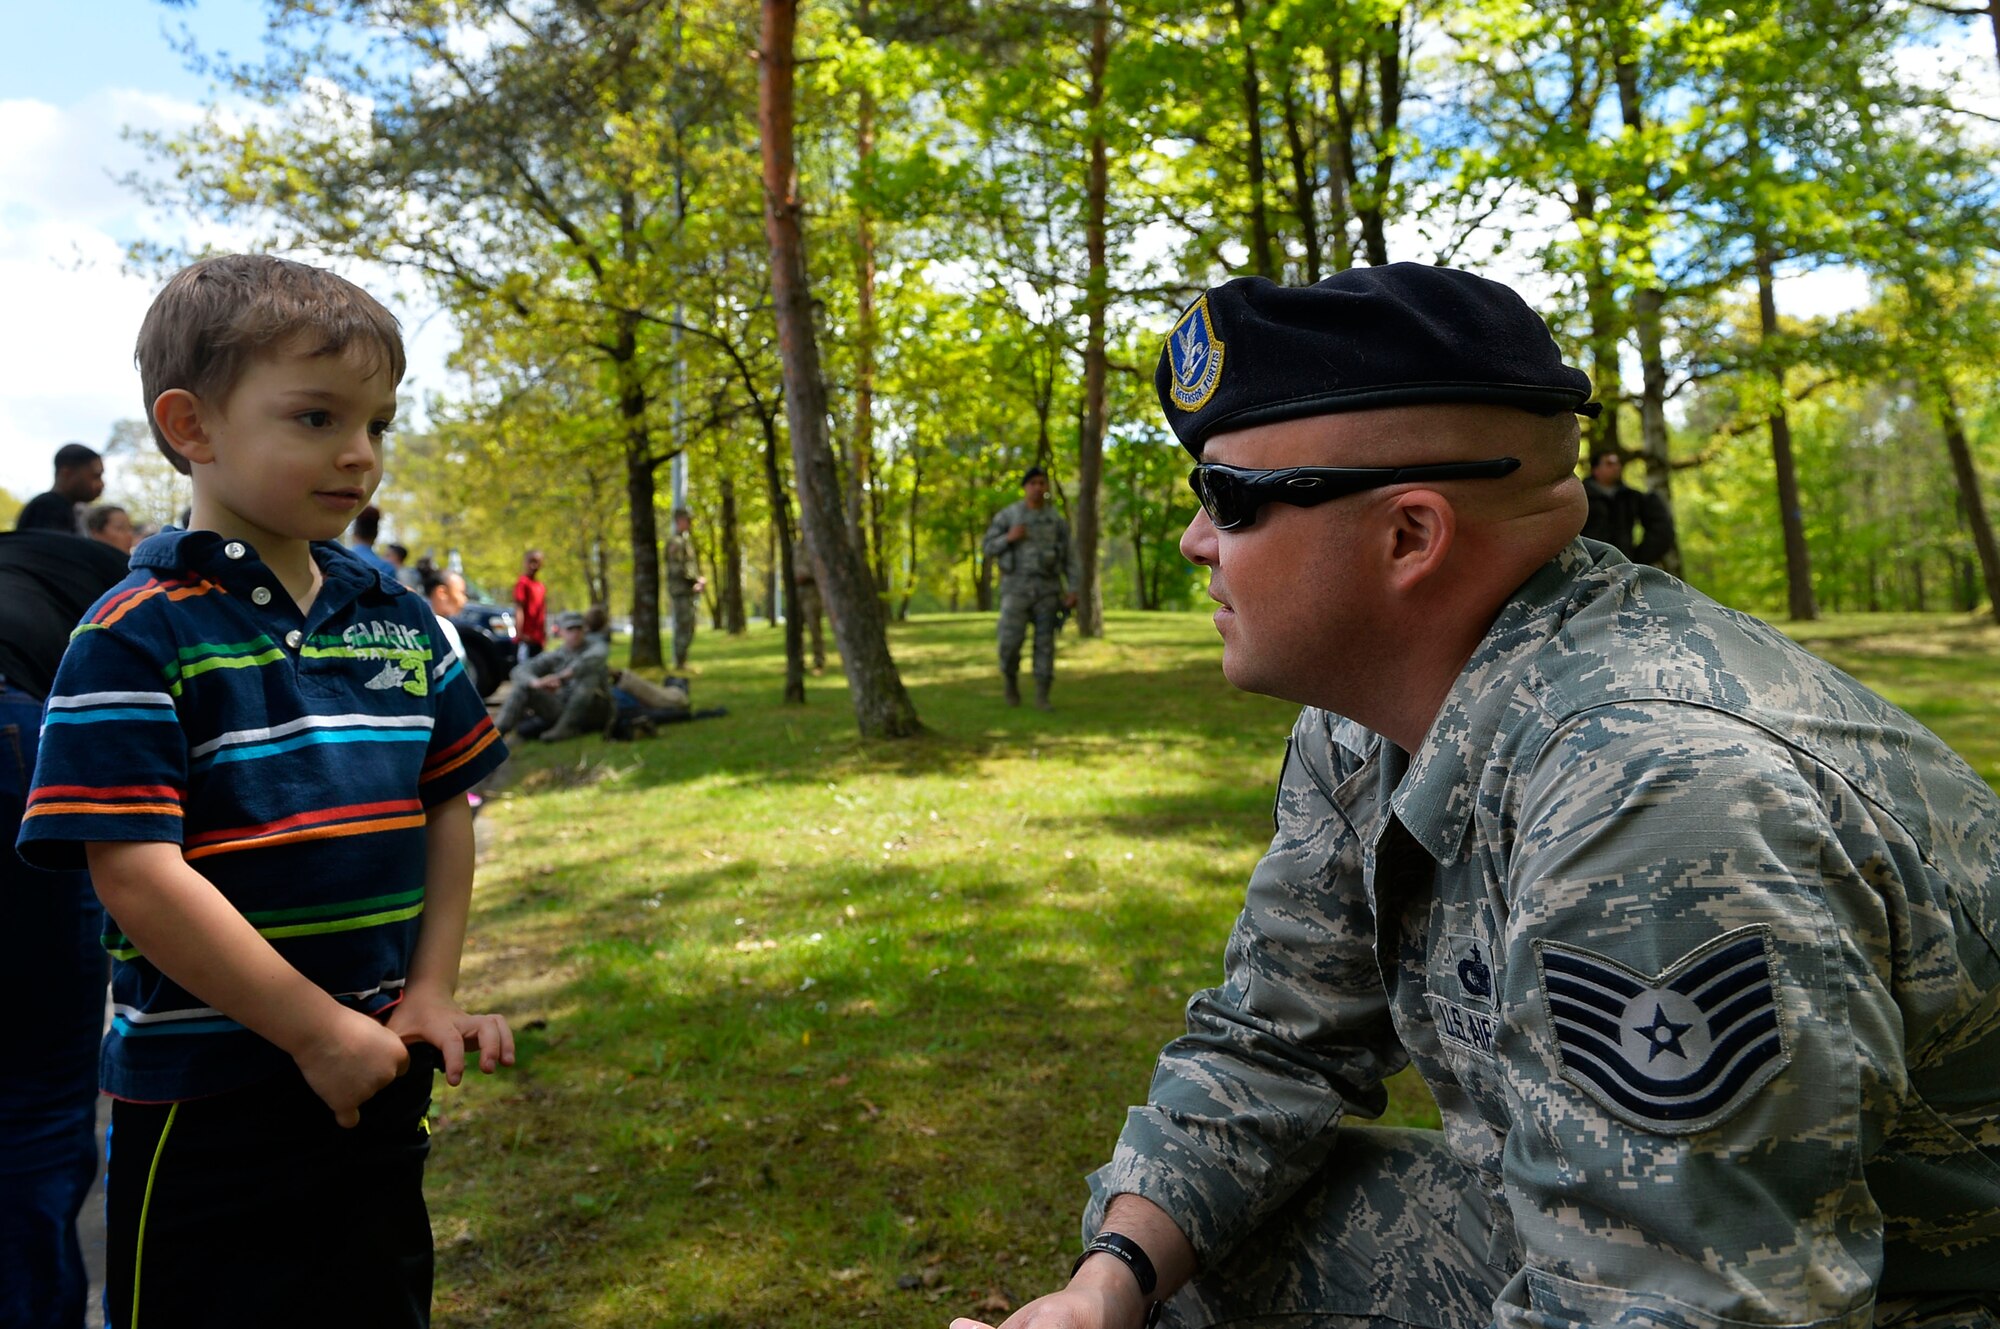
x: 291, y: 756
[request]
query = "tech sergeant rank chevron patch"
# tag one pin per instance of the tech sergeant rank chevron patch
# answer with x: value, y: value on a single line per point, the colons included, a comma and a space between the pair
x: 1676, y: 1053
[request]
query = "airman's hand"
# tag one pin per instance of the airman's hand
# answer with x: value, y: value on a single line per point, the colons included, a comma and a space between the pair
x: 1103, y: 1295
x: 1018, y: 531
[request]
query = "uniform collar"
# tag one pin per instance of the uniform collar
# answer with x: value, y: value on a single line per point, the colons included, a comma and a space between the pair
x: 234, y: 564
x: 1434, y: 800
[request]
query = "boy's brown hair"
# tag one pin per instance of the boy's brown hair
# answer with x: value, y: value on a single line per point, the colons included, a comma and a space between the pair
x: 214, y: 318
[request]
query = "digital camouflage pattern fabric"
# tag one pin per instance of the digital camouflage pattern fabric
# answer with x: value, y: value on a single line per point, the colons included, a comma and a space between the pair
x: 1691, y: 937
x: 1034, y: 571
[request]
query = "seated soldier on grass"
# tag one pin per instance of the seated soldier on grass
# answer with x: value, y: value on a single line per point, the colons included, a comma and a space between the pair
x: 567, y: 691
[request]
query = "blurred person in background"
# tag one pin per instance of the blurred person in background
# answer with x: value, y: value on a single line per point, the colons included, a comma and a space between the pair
x: 79, y: 479
x: 109, y: 524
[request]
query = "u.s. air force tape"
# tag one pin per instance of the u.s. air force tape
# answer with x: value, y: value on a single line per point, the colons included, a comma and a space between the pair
x: 1675, y: 1053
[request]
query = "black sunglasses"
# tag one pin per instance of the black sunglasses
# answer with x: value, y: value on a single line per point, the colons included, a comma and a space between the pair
x: 1232, y: 496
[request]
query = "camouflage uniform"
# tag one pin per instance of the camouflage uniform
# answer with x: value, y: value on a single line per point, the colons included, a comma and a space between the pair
x: 582, y: 704
x: 1034, y: 571
x: 682, y: 570
x: 1693, y: 940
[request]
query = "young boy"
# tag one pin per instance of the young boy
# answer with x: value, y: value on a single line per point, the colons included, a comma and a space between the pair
x: 258, y: 746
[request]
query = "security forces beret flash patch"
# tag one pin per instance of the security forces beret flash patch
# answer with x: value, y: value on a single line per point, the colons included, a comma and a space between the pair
x: 1195, y: 353
x: 1676, y: 1053
x: 1403, y: 334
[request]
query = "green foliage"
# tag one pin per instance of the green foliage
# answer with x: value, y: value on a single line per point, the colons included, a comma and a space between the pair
x: 578, y: 186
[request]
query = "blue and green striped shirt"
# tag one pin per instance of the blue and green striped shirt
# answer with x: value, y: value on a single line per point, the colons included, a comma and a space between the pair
x: 293, y: 758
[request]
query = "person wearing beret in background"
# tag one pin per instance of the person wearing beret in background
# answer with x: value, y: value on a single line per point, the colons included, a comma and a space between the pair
x: 1691, y: 937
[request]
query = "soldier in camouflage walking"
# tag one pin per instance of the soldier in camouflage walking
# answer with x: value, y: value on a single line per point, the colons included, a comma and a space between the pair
x: 1038, y: 576
x: 1692, y: 938
x: 684, y: 583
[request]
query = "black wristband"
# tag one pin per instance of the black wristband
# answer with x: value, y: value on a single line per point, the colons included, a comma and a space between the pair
x: 1126, y: 1249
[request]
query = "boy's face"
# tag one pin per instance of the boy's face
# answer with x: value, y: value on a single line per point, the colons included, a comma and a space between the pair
x: 295, y: 450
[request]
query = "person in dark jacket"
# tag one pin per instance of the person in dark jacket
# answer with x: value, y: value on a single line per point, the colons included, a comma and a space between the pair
x: 1616, y: 507
x: 50, y: 924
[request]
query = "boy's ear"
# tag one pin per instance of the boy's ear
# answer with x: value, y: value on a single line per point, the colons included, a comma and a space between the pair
x: 177, y: 412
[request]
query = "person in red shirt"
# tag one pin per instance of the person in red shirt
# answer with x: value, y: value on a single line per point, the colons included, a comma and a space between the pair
x: 531, y: 625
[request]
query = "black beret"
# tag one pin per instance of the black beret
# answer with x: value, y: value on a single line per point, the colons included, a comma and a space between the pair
x: 1032, y: 472
x: 1251, y: 352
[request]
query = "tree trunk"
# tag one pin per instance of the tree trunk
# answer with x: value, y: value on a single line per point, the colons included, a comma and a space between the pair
x: 916, y: 495
x: 1969, y: 493
x: 860, y: 458
x: 1798, y: 560
x: 1605, y: 328
x: 731, y: 559
x: 1646, y: 306
x: 1139, y: 565
x: 1388, y: 114
x: 1097, y: 288
x: 1262, y: 263
x: 1305, y: 204
x: 1340, y: 161
x: 781, y: 526
x: 882, y: 707
x: 639, y: 496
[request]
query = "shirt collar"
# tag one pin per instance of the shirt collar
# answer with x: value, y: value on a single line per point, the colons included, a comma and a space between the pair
x: 1434, y: 800
x: 344, y: 576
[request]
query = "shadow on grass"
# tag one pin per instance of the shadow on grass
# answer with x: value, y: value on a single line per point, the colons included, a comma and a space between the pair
x: 847, y: 1111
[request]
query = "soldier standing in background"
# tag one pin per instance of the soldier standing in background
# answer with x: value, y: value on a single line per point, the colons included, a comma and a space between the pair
x: 1688, y: 933
x: 684, y: 583
x: 1037, y: 563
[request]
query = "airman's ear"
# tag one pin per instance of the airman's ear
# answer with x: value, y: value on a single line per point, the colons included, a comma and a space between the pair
x: 177, y: 413
x: 1423, y: 528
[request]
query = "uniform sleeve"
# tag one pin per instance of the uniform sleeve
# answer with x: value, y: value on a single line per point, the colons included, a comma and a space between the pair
x: 995, y: 542
x: 112, y: 762
x: 1243, y: 1107
x: 1700, y: 1037
x: 465, y: 747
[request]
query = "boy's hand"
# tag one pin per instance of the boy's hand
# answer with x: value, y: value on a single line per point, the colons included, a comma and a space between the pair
x: 353, y: 1061
x: 421, y: 1018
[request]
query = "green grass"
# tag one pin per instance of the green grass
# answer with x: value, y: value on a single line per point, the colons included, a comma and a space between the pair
x: 804, y: 1020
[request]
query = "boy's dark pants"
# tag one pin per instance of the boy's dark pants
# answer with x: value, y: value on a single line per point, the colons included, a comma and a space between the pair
x: 49, y: 928
x: 255, y: 1208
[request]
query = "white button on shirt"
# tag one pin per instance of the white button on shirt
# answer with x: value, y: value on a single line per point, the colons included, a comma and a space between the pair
x: 261, y: 596
x: 235, y: 549
x: 293, y: 638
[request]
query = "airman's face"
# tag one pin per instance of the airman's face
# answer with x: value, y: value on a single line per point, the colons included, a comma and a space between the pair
x: 1036, y: 490
x: 1607, y: 471
x: 1293, y: 606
